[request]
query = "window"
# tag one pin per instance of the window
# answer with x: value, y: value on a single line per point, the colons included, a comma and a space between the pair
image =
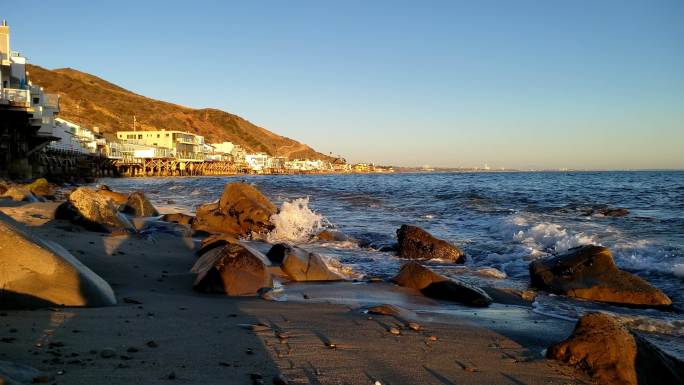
x: 140, y: 136
x: 36, y: 100
x: 158, y: 136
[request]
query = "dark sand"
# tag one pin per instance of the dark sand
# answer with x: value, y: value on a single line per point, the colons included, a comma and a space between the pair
x: 202, y: 339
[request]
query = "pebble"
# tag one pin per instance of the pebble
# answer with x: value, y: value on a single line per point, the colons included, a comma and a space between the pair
x: 432, y: 338
x: 132, y: 350
x: 414, y: 326
x: 107, y: 353
x: 171, y: 376
x: 394, y: 331
x: 152, y: 344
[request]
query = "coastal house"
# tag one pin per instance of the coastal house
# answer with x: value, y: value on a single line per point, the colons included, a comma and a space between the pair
x: 181, y: 145
x: 72, y: 137
x: 257, y: 162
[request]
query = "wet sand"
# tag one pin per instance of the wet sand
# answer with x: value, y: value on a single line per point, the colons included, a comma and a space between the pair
x: 163, y: 332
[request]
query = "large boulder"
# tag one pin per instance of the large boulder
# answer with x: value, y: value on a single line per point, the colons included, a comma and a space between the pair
x: 138, y: 205
x: 232, y: 270
x: 416, y: 243
x: 301, y: 265
x: 242, y: 210
x: 93, y: 211
x: 601, y: 346
x: 38, y: 273
x: 416, y: 276
x: 589, y: 272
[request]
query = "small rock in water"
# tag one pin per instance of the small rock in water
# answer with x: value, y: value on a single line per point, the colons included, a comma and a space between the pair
x: 395, y: 331
x: 414, y: 326
x: 171, y: 376
x: 132, y: 350
x: 152, y: 344
x: 491, y: 272
x: 107, y: 353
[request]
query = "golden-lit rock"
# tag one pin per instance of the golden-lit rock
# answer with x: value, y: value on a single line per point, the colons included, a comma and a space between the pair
x: 589, y: 272
x: 38, y: 273
x: 602, y: 347
x: 416, y: 243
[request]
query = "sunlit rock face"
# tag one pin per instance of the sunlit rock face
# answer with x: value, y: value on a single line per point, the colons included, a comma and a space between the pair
x: 36, y: 273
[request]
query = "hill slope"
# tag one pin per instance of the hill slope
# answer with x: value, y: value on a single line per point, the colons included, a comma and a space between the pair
x: 93, y: 102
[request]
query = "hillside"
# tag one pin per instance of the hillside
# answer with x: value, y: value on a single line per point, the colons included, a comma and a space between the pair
x: 93, y: 102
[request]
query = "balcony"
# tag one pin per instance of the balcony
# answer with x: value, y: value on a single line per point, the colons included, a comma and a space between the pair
x: 15, y: 97
x: 51, y: 101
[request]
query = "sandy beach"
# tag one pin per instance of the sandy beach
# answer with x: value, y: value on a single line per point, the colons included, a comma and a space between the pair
x: 161, y: 331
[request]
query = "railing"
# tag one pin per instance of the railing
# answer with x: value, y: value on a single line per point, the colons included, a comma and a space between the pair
x: 15, y: 96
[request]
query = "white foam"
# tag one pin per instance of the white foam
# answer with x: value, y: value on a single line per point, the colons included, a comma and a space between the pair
x: 295, y: 222
x: 542, y: 237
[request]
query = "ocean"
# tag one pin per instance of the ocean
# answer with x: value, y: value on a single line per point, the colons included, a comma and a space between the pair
x: 500, y: 220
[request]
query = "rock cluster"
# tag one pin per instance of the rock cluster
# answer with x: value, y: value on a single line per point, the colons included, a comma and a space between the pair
x: 589, y: 272
x: 38, y: 190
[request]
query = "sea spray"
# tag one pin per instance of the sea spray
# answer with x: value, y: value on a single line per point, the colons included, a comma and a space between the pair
x: 295, y: 222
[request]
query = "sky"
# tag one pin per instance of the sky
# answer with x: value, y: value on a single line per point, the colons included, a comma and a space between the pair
x: 521, y: 84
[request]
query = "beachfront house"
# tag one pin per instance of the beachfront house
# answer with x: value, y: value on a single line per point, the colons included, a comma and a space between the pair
x: 178, y: 144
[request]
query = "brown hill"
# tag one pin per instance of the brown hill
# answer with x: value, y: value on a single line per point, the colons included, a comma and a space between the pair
x: 93, y: 102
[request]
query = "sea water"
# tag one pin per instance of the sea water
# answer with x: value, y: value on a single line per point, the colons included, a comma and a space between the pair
x: 501, y: 221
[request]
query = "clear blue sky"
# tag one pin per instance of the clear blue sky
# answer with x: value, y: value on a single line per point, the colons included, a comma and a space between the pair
x: 526, y: 84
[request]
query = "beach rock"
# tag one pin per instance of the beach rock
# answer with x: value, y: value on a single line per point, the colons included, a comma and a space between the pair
x: 180, y: 218
x: 118, y: 198
x: 38, y: 273
x: 608, y: 212
x: 19, y: 194
x: 3, y: 188
x: 601, y: 346
x: 491, y: 272
x: 415, y: 276
x: 137, y: 205
x: 214, y: 241
x: 301, y: 265
x: 93, y: 211
x: 392, y: 310
x: 232, y: 270
x: 41, y: 188
x: 242, y: 210
x: 331, y: 236
x: 416, y: 243
x: 589, y: 272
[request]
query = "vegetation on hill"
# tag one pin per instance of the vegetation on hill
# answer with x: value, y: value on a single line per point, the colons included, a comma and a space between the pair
x: 93, y: 102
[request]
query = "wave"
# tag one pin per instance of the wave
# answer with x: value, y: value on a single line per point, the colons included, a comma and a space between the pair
x: 544, y: 237
x: 295, y: 222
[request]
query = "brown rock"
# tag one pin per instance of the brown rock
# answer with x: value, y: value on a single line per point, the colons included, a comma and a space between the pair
x: 619, y: 212
x: 416, y: 243
x: 655, y: 366
x: 232, y: 270
x: 242, y: 210
x: 331, y: 236
x: 301, y: 265
x: 37, y: 273
x: 3, y: 188
x: 93, y: 211
x: 589, y: 272
x: 215, y: 240
x: 138, y: 205
x: 180, y: 218
x: 414, y: 275
x: 602, y: 347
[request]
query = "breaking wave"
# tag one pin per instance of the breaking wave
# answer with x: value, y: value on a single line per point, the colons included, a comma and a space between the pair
x: 543, y: 238
x: 295, y: 222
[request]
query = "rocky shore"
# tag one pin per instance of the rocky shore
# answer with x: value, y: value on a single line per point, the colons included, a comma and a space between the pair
x: 102, y: 287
